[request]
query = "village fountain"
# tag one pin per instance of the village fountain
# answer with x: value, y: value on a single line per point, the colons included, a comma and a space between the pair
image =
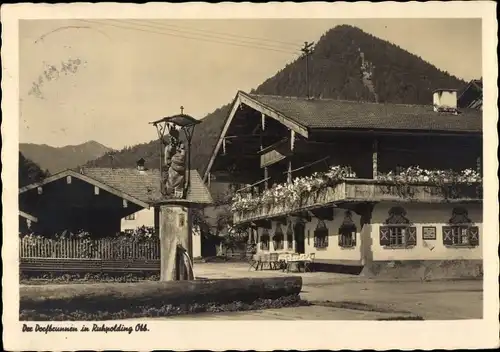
x: 174, y: 205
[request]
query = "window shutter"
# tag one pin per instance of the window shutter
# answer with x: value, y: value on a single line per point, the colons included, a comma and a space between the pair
x: 354, y: 235
x: 411, y: 234
x: 474, y: 236
x: 447, y: 236
x: 384, y: 236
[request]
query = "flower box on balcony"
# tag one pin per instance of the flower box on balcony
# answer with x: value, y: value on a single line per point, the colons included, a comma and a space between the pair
x: 319, y: 190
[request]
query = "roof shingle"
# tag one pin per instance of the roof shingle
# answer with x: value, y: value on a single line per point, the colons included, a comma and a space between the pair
x: 341, y: 114
x: 145, y: 185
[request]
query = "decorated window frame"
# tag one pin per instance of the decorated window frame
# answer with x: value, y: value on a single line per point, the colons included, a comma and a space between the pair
x: 278, y: 238
x: 321, y: 235
x: 264, y: 240
x: 398, y: 231
x: 347, y: 232
x: 461, y: 230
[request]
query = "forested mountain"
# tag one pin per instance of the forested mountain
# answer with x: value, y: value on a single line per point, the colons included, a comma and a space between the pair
x: 67, y: 157
x: 29, y: 172
x: 346, y: 63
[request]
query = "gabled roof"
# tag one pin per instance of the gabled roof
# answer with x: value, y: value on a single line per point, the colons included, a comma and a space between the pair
x: 145, y: 185
x: 303, y: 115
x: 98, y: 183
x: 339, y: 114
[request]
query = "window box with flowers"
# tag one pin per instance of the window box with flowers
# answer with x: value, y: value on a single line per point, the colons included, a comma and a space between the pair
x: 460, y: 231
x: 264, y: 241
x: 448, y: 184
x: 321, y: 235
x: 347, y: 232
x: 398, y: 232
x: 287, y: 196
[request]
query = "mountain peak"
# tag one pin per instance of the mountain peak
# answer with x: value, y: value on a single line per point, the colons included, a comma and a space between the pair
x: 57, y: 159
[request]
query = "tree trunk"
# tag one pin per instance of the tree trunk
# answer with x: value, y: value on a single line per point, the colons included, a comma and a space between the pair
x: 117, y: 296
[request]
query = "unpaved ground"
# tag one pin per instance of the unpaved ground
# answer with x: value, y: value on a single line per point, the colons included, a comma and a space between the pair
x: 295, y: 313
x: 349, y: 297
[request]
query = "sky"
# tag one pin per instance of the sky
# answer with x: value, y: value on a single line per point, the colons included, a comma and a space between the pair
x: 122, y: 74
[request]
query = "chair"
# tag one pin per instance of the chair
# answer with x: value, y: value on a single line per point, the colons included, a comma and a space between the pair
x: 287, y: 258
x: 295, y: 259
x: 254, y: 262
x: 309, y: 260
x: 265, y: 259
x: 274, y: 261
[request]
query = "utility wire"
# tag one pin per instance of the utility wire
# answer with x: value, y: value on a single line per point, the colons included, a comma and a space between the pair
x: 237, y: 40
x: 164, y: 25
x: 186, y: 37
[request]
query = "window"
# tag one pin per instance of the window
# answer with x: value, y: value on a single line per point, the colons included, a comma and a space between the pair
x: 397, y: 231
x: 130, y: 217
x: 461, y: 231
x: 347, y: 232
x: 321, y: 235
x: 278, y: 238
x: 289, y: 237
x: 264, y: 241
x: 398, y: 236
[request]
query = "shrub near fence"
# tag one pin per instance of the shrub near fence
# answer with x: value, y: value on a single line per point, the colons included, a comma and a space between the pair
x: 84, y: 248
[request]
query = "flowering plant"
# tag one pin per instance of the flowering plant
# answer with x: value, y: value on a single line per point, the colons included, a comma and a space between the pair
x: 294, y: 191
x: 449, y: 181
x: 415, y: 174
x: 141, y: 233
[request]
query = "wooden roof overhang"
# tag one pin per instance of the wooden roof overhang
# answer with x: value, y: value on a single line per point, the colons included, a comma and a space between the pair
x: 27, y: 216
x: 70, y: 189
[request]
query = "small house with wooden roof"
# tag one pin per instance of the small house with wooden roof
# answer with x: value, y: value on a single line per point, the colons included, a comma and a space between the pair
x: 355, y: 183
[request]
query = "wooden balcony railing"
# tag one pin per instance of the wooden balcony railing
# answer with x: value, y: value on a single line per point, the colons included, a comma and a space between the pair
x: 365, y: 190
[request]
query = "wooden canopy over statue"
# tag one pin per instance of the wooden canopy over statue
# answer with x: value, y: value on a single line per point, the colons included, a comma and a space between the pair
x: 175, y: 163
x: 175, y: 214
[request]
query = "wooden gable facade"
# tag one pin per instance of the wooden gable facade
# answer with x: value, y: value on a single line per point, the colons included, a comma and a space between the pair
x: 73, y: 201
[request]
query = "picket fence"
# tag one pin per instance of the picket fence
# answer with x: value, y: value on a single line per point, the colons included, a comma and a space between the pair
x: 105, y: 249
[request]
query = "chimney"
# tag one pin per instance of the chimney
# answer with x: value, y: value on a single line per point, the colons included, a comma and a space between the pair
x: 445, y: 100
x: 140, y: 164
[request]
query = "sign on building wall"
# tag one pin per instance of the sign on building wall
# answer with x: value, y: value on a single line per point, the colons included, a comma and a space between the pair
x: 429, y: 232
x: 277, y: 152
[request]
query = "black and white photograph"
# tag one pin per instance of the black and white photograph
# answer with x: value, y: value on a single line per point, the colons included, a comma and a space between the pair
x: 179, y: 169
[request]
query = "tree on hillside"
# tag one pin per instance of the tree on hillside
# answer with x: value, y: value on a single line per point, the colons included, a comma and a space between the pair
x: 29, y: 172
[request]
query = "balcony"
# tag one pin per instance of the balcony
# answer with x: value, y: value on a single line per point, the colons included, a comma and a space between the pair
x: 359, y: 190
